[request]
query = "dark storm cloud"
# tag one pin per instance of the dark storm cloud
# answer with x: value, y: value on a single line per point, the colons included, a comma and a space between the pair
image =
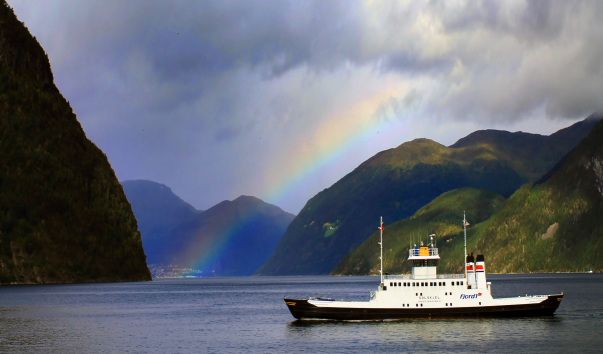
x: 194, y: 93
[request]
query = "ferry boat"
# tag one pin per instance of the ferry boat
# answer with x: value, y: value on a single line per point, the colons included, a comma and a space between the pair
x: 426, y: 294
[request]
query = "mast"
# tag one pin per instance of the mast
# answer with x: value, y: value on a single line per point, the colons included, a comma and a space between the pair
x: 381, y: 250
x: 465, y: 244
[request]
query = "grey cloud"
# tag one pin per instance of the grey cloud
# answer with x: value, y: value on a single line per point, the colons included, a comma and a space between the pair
x: 166, y: 86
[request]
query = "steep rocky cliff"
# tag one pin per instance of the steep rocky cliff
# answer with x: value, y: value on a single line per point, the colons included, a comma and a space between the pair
x: 63, y: 214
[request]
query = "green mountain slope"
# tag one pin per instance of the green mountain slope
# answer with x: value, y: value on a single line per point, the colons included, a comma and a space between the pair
x: 63, y: 214
x: 555, y: 225
x: 232, y: 238
x: 158, y: 210
x: 442, y: 216
x: 397, y: 182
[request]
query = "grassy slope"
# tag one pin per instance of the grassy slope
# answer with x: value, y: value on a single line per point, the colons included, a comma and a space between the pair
x: 573, y: 198
x: 397, y: 182
x: 514, y: 239
x: 442, y: 216
x: 63, y: 214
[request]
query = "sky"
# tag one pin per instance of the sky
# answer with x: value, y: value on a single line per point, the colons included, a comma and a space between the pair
x: 281, y: 99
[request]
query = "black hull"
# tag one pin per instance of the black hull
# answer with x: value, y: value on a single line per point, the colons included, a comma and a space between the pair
x: 302, y: 309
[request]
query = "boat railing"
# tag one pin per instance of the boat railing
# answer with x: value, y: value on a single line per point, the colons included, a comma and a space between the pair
x: 396, y: 277
x: 410, y: 276
x: 451, y: 276
x: 423, y: 251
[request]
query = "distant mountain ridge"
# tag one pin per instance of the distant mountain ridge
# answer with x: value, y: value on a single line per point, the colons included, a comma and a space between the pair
x: 158, y: 211
x: 533, y: 154
x: 231, y: 238
x: 395, y: 183
x: 64, y: 217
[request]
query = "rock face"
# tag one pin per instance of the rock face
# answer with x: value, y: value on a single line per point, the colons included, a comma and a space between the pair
x: 397, y: 182
x: 63, y: 215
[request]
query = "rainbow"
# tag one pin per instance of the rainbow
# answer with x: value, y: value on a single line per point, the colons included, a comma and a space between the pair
x: 335, y: 136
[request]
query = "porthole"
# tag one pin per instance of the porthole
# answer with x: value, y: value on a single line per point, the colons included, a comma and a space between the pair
x: 451, y: 293
x: 446, y: 304
x: 421, y: 294
x: 480, y: 303
x: 443, y: 283
x: 421, y: 305
x: 399, y: 284
x: 446, y: 293
x: 417, y: 294
x: 417, y: 305
x: 461, y: 283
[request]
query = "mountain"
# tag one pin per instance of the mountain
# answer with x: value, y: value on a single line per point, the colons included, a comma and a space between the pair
x: 555, y: 225
x: 530, y: 154
x: 397, y: 182
x: 158, y: 210
x: 443, y: 217
x: 63, y: 215
x: 232, y: 238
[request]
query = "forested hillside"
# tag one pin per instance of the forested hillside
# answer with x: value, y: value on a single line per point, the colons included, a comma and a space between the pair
x: 397, y: 182
x: 63, y: 214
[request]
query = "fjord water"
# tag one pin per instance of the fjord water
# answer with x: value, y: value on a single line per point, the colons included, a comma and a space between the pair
x: 248, y: 314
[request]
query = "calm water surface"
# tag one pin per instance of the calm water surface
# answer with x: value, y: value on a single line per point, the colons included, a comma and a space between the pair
x: 218, y: 315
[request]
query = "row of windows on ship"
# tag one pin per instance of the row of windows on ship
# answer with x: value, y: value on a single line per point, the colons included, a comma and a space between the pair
x: 417, y: 305
x: 431, y: 283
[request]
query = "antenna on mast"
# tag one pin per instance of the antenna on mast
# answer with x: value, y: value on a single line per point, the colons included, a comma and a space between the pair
x: 381, y: 250
x: 465, y: 232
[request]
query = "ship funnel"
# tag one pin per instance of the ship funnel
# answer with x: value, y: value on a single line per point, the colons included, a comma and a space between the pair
x: 470, y: 272
x: 480, y: 272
